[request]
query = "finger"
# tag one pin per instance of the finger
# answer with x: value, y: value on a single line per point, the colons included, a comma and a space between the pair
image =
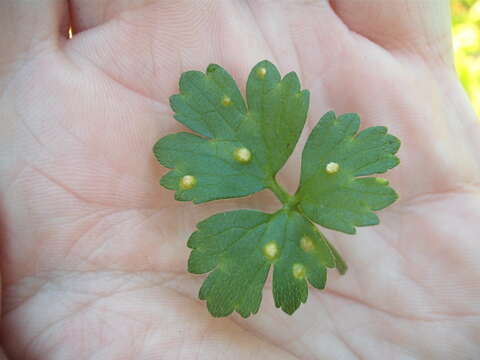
x: 422, y: 26
x: 27, y: 23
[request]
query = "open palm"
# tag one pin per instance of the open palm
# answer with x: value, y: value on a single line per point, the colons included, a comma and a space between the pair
x: 93, y: 249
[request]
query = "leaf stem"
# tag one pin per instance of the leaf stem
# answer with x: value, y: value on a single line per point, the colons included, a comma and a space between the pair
x: 285, y: 198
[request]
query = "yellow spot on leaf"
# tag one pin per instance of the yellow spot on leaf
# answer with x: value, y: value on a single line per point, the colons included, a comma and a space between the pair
x: 187, y: 182
x: 242, y: 155
x: 332, y: 168
x: 270, y: 250
x: 226, y: 101
x: 381, y: 181
x: 298, y: 271
x: 306, y: 244
x: 261, y: 72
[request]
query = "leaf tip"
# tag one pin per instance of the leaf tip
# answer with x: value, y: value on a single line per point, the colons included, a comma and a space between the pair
x: 342, y: 268
x: 350, y: 230
x: 212, y: 68
x: 288, y: 310
x: 328, y: 116
x: 264, y: 70
x: 396, y: 161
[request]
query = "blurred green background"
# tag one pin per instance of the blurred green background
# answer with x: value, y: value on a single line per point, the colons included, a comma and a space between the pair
x: 466, y: 42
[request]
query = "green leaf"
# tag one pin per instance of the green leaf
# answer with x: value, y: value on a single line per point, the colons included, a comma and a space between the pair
x: 279, y: 107
x: 211, y: 104
x: 238, y: 248
x: 236, y: 149
x: 210, y: 162
x: 337, y: 199
x: 305, y: 255
x: 340, y: 264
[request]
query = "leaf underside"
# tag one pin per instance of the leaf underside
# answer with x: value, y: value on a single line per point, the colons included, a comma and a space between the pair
x: 237, y: 150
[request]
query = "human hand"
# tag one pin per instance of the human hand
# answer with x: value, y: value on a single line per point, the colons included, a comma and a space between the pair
x: 93, y: 249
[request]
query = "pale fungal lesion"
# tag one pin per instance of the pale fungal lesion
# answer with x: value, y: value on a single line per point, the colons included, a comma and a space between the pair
x: 270, y: 250
x: 242, y: 155
x: 332, y: 168
x: 187, y: 182
x: 261, y: 72
x: 226, y: 101
x: 306, y: 244
x: 381, y: 181
x: 298, y: 271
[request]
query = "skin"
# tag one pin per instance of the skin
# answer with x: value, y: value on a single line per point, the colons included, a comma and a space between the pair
x: 93, y: 254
